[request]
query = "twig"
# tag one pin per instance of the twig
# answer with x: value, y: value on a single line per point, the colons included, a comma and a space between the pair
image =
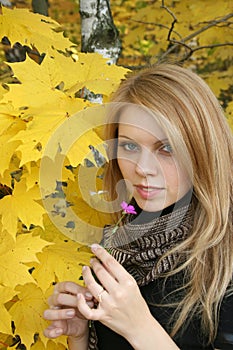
x: 192, y: 50
x: 173, y: 22
x: 192, y: 35
x: 160, y: 25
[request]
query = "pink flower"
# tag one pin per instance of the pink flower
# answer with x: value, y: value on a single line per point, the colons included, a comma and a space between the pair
x: 128, y: 209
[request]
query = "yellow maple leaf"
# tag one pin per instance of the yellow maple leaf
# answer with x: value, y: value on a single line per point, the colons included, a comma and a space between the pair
x: 5, y: 341
x: 6, y: 241
x: 21, y: 205
x: 6, y: 294
x: 95, y: 74
x: 15, y: 272
x: 61, y: 261
x: 55, y: 344
x: 2, y: 91
x: 12, y: 171
x: 27, y: 313
x: 28, y: 28
x: 8, y: 147
x: 27, y: 246
x: 72, y: 139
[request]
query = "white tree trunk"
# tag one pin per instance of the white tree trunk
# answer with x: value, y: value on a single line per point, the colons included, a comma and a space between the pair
x: 99, y: 33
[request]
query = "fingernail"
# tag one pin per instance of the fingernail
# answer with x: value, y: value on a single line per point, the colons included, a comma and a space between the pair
x: 84, y: 268
x: 70, y: 313
x: 88, y: 295
x: 94, y: 247
x: 59, y: 331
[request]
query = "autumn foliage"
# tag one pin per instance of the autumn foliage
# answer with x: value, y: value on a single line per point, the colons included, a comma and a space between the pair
x: 34, y: 253
x: 41, y: 101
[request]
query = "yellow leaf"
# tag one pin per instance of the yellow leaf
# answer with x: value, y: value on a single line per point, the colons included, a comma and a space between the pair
x: 27, y: 313
x: 15, y: 272
x: 2, y: 92
x: 21, y: 205
x: 219, y: 81
x: 55, y: 344
x: 6, y: 241
x: 27, y: 246
x: 51, y: 172
x: 8, y: 147
x: 5, y: 341
x: 28, y: 28
x: 60, y: 262
x: 6, y: 294
x: 32, y: 176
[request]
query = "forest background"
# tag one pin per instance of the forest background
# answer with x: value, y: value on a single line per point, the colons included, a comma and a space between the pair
x: 39, y: 96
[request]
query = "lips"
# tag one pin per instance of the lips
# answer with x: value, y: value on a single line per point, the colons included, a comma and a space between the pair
x: 148, y: 192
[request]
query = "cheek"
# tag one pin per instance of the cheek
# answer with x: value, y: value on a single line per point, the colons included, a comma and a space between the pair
x: 125, y: 167
x: 171, y: 174
x: 176, y: 179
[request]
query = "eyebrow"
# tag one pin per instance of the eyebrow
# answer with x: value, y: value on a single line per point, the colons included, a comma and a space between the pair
x: 128, y: 138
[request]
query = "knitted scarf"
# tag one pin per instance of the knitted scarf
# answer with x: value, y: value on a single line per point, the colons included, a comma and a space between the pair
x: 139, y: 247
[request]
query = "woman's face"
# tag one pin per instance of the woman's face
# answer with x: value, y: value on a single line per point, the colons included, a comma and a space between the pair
x: 145, y: 158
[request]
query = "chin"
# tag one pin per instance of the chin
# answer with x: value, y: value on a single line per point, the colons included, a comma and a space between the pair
x: 151, y: 207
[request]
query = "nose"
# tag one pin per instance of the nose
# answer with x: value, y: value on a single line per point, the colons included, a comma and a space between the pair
x: 147, y: 164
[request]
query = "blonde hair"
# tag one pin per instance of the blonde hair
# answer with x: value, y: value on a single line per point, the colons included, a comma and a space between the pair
x: 189, y: 105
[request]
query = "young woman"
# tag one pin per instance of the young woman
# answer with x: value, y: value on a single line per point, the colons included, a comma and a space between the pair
x: 165, y: 279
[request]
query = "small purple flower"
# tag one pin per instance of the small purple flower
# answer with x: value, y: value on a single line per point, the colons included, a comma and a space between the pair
x: 128, y: 209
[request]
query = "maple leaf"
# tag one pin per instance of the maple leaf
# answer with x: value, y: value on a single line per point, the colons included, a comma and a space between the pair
x: 18, y: 252
x: 15, y: 272
x: 6, y: 294
x: 55, y: 344
x: 7, y: 147
x: 27, y: 246
x: 96, y: 75
x: 6, y: 241
x: 27, y: 313
x: 60, y: 262
x: 22, y: 205
x: 27, y: 28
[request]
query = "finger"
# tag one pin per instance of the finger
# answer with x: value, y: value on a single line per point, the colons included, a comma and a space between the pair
x: 53, y: 332
x: 94, y: 287
x: 88, y: 313
x: 61, y: 299
x: 106, y: 279
x: 111, y: 265
x: 69, y: 287
x: 62, y: 314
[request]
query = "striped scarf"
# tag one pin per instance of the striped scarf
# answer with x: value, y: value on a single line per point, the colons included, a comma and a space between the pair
x: 140, y: 247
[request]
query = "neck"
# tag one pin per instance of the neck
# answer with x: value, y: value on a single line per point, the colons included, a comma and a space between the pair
x: 146, y: 216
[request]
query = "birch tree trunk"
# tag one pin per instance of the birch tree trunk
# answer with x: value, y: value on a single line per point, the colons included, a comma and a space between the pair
x: 99, y: 33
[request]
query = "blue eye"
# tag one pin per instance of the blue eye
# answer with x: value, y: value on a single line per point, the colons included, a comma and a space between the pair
x: 167, y: 148
x: 129, y: 146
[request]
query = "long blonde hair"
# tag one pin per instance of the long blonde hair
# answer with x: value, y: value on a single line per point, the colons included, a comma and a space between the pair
x: 190, y: 106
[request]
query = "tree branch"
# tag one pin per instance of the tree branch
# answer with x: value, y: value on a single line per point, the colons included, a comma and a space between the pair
x: 193, y: 35
x: 160, y: 25
x: 173, y: 22
x: 192, y: 50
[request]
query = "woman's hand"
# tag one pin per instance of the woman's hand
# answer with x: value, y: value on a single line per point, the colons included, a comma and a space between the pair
x: 121, y: 306
x: 63, y: 312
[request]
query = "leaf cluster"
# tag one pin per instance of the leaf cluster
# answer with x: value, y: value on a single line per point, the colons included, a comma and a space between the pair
x: 44, y: 219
